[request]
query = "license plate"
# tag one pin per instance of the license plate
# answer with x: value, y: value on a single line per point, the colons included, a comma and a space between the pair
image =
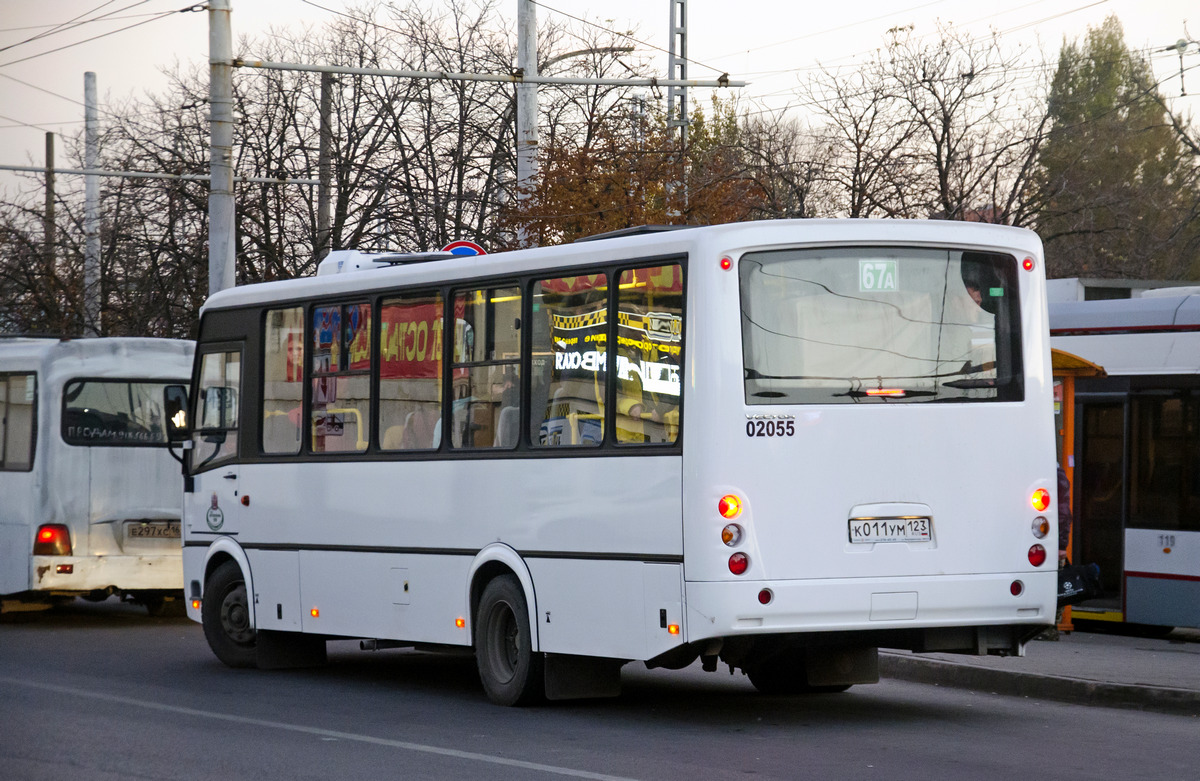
x: 167, y: 529
x: 904, y: 529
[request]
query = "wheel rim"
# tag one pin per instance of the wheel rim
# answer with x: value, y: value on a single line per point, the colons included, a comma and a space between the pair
x: 503, y: 642
x: 235, y: 616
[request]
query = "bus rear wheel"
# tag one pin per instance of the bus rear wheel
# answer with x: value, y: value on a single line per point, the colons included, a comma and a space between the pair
x: 510, y: 670
x: 225, y: 614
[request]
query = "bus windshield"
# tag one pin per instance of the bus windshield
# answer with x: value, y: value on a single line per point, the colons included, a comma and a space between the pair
x: 880, y: 325
x: 113, y: 412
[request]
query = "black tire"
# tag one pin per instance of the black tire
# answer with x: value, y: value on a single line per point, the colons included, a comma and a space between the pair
x: 511, y: 672
x: 785, y: 674
x: 225, y: 613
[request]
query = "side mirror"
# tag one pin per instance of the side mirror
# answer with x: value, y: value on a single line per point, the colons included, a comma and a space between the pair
x: 175, y: 403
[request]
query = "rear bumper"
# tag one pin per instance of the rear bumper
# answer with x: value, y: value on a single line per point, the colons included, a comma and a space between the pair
x: 732, y: 608
x: 95, y: 573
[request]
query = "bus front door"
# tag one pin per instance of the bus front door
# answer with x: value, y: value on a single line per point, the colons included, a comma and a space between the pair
x: 215, y: 500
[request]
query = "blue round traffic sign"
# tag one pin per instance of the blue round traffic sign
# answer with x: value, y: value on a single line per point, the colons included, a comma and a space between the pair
x: 463, y: 247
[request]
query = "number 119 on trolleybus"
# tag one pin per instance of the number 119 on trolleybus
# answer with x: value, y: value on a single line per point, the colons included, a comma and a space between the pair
x: 775, y: 446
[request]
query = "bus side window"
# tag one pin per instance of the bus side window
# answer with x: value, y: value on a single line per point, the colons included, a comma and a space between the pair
x: 410, y: 372
x: 17, y: 394
x: 569, y: 361
x: 649, y: 354
x: 341, y: 378
x: 485, y: 375
x: 283, y: 380
x: 217, y: 409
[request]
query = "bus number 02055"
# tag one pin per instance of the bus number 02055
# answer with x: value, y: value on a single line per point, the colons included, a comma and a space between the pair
x: 770, y: 428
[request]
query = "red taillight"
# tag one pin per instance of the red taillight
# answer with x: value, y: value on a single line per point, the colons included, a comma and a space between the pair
x: 53, y: 539
x: 726, y: 264
x: 765, y: 596
x: 1017, y: 588
x: 1027, y: 264
x: 1037, y: 555
x: 739, y: 563
x: 1040, y: 499
x: 730, y: 506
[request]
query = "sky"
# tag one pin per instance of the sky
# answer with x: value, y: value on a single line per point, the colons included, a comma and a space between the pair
x: 771, y: 44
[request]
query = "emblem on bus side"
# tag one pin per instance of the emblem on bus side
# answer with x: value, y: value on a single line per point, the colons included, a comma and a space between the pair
x: 214, y: 516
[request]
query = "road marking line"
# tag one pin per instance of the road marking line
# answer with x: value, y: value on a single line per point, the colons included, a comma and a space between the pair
x: 324, y: 733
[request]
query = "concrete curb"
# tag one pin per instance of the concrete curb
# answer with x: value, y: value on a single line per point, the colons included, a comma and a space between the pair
x: 1180, y: 702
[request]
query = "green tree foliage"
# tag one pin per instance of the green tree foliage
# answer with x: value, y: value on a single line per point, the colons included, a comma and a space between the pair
x: 1117, y: 190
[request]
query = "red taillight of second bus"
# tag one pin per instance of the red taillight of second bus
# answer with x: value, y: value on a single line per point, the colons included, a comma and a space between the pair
x: 53, y: 539
x: 1037, y: 555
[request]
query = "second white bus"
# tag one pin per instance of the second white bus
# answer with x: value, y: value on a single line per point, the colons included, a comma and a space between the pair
x: 776, y: 446
x: 89, y: 495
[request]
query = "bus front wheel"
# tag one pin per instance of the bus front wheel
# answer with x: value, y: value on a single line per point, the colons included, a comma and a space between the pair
x: 510, y: 670
x: 225, y: 614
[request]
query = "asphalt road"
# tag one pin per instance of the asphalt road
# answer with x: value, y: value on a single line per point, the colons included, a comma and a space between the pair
x: 102, y: 692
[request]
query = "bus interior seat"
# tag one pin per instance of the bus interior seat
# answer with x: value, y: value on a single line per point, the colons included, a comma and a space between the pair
x: 506, y: 428
x: 393, y: 437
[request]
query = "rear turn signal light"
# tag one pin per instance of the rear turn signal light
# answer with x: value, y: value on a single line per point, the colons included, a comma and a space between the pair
x: 1037, y: 555
x: 460, y: 622
x: 53, y: 539
x: 730, y: 506
x: 195, y: 604
x: 739, y: 563
x: 731, y: 535
x: 1041, y: 527
x: 672, y: 629
x: 1040, y: 499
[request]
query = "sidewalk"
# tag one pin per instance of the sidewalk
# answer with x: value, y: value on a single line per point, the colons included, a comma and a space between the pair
x: 1159, y: 674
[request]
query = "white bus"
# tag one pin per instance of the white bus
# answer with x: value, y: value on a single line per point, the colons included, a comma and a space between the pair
x: 1137, y: 476
x: 89, y: 494
x: 817, y: 438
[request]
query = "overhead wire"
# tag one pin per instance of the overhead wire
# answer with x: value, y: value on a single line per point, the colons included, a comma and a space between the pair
x: 156, y: 17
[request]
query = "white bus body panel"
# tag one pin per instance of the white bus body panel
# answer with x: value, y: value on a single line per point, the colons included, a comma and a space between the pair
x: 625, y: 510
x: 90, y: 489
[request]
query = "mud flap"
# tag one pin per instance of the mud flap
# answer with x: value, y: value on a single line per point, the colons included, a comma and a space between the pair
x: 841, y: 666
x: 283, y: 650
x: 575, y: 677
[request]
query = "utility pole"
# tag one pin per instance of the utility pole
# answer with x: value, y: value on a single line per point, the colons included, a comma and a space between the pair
x: 676, y: 195
x: 527, y: 130
x: 324, y: 167
x: 91, y: 210
x: 48, y: 228
x: 220, y: 106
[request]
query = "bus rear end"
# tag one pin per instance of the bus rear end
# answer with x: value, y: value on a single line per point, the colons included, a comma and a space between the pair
x: 876, y: 467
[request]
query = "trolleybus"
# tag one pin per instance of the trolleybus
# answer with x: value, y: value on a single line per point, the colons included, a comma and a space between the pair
x: 89, y: 494
x: 1137, y: 477
x: 777, y: 446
